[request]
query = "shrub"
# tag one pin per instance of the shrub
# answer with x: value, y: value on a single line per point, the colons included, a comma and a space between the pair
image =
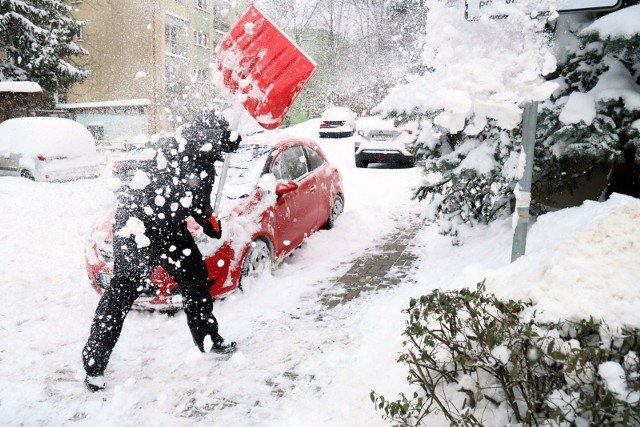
x: 479, y: 360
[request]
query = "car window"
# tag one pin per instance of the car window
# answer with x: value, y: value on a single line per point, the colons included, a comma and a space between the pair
x: 246, y: 165
x: 315, y: 159
x: 290, y: 164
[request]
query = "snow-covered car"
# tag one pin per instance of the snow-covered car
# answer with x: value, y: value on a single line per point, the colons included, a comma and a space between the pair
x: 277, y: 193
x: 384, y: 146
x: 123, y: 165
x: 47, y: 149
x: 337, y: 122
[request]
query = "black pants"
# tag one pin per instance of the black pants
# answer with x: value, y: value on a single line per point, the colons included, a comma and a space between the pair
x: 178, y: 254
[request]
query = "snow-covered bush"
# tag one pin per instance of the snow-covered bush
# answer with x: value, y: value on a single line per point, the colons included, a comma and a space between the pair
x: 481, y: 361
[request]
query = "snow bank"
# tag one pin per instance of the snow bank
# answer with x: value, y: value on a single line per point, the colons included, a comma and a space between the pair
x: 580, y: 262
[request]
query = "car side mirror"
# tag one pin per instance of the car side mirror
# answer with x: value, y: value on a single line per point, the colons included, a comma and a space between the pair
x: 267, y: 183
x: 284, y: 187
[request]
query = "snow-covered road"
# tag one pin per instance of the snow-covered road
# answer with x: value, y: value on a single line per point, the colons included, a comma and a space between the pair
x: 291, y: 369
x: 299, y: 363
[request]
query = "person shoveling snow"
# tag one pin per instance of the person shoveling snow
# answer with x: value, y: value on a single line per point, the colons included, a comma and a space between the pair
x: 150, y: 230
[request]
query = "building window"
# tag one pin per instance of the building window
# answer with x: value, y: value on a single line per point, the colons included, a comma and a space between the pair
x: 200, y: 75
x: 63, y: 95
x: 176, y: 72
x: 80, y: 35
x: 200, y: 38
x: 202, y: 4
x: 219, y: 21
x: 175, y: 34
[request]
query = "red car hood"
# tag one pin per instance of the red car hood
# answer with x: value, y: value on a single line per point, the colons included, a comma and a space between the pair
x: 234, y: 209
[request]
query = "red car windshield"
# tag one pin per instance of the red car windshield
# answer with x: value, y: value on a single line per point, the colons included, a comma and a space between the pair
x: 246, y: 165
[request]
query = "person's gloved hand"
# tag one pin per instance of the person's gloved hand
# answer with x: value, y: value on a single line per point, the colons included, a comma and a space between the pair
x: 212, y: 227
x: 228, y: 143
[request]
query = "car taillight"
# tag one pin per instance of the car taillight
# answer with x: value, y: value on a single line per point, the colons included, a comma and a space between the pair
x: 361, y: 133
x: 410, y: 132
x: 324, y: 125
x: 41, y: 157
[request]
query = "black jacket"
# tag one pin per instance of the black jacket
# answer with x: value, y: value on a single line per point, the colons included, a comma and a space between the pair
x: 176, y: 183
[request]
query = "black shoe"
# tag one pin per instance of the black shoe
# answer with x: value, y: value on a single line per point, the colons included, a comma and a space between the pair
x: 95, y: 383
x: 221, y: 348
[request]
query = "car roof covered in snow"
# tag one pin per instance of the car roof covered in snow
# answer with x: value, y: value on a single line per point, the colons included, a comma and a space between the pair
x: 337, y: 113
x: 47, y: 136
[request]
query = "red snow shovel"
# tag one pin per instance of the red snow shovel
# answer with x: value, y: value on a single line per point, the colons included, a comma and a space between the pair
x: 262, y: 67
x: 263, y: 70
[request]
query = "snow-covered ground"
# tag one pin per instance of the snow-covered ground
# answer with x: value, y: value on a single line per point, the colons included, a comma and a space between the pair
x: 299, y: 363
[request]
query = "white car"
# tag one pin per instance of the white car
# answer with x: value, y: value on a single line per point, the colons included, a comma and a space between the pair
x: 390, y: 146
x: 47, y: 149
x: 337, y: 122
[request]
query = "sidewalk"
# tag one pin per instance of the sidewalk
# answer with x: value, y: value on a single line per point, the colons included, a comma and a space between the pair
x: 383, y: 266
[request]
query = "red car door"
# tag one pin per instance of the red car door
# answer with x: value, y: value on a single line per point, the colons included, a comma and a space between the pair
x: 296, y: 211
x: 323, y: 189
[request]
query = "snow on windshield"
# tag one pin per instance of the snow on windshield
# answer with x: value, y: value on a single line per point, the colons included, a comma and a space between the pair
x: 245, y: 168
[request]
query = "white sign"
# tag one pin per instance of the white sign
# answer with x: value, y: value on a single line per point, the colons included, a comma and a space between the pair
x: 565, y: 6
x: 477, y: 8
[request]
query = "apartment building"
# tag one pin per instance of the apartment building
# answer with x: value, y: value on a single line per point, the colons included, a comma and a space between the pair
x: 150, y: 61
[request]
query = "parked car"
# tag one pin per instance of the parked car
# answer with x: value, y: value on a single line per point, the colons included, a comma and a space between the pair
x: 337, y: 122
x: 47, y: 149
x: 391, y: 146
x: 277, y: 193
x: 124, y: 164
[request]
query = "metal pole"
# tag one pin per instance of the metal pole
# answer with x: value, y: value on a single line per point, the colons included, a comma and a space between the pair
x: 523, y: 190
x: 234, y: 124
x: 223, y: 178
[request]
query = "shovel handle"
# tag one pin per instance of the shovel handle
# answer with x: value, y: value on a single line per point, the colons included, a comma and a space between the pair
x: 223, y: 177
x: 234, y: 122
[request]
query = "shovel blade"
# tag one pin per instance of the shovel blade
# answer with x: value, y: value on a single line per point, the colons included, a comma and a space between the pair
x: 263, y: 67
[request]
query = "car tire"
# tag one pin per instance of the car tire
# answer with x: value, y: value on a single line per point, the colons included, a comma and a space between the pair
x: 258, y: 260
x: 360, y: 164
x: 337, y: 207
x: 26, y: 174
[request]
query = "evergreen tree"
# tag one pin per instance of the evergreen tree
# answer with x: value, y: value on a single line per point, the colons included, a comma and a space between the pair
x: 591, y: 123
x: 471, y: 179
x: 470, y: 142
x: 37, y: 37
x: 600, y: 131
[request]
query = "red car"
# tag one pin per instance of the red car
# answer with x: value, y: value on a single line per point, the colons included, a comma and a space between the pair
x: 277, y: 193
